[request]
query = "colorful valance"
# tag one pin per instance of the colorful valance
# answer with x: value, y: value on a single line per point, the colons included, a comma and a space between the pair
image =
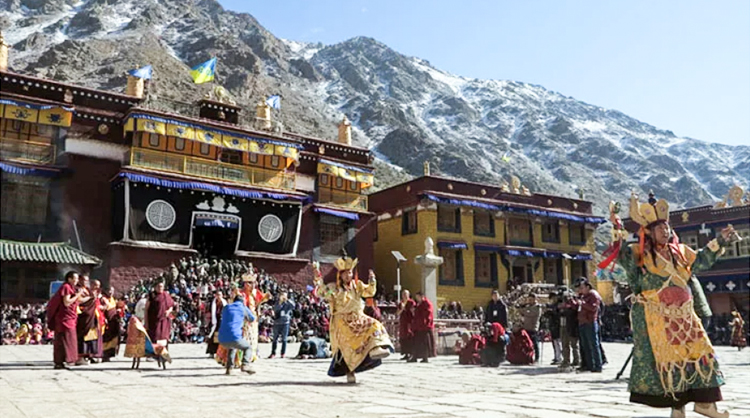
x: 347, y: 172
x: 338, y: 213
x: 488, y: 247
x: 545, y: 254
x: 35, y: 113
x: 217, y: 223
x: 220, y: 138
x: 196, y: 185
x: 22, y: 171
x: 514, y: 209
x: 452, y: 245
x: 557, y: 215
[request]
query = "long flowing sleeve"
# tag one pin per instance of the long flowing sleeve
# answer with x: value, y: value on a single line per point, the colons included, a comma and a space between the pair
x: 626, y: 260
x: 706, y: 257
x: 702, y: 260
x: 367, y: 290
x: 213, y: 313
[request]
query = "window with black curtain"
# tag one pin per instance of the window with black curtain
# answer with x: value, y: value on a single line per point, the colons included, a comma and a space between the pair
x: 449, y: 219
x: 484, y: 223
x: 551, y: 231
x: 409, y: 222
x: 452, y: 269
x: 485, y: 269
x: 577, y: 233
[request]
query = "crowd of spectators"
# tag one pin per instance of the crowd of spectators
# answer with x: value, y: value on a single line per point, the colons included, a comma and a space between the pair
x: 455, y: 310
x: 25, y: 324
x: 192, y: 282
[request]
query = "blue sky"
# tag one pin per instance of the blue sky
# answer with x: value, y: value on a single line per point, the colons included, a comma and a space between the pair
x: 678, y: 65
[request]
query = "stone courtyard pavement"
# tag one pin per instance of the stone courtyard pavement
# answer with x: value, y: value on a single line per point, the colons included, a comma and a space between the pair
x: 195, y: 386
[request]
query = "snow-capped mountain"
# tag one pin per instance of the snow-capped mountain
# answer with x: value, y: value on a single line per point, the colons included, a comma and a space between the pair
x: 403, y: 108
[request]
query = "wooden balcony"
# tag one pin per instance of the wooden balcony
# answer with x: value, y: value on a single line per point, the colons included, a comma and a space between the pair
x: 210, y: 169
x: 345, y: 200
x: 26, y: 151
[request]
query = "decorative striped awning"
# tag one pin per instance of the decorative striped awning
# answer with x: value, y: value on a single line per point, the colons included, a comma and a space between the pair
x: 23, y: 171
x: 452, y: 245
x: 35, y: 113
x: 505, y: 207
x: 197, y: 185
x: 140, y: 122
x: 347, y: 172
x: 337, y: 213
x: 56, y: 253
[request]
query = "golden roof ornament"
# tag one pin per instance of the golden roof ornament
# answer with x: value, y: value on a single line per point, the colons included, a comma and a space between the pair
x: 426, y: 168
x: 685, y: 217
x: 515, y: 184
x: 505, y: 187
x: 735, y: 195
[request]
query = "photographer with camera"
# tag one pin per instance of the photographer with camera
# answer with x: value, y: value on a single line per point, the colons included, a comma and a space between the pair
x: 568, y: 308
x: 531, y: 311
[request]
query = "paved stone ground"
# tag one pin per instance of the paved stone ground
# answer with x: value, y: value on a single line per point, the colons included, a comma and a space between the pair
x: 196, y: 386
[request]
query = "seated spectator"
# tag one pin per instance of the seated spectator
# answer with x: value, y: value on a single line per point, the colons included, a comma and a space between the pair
x: 494, y: 349
x: 313, y: 347
x: 469, y: 349
x: 521, y: 348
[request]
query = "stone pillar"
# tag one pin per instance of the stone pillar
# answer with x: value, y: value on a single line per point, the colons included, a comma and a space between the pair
x: 134, y: 87
x: 345, y: 131
x: 3, y: 53
x: 430, y: 263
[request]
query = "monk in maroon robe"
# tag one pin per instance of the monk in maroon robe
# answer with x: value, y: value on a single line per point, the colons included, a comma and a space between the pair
x: 470, y: 349
x: 89, y: 326
x: 61, y: 317
x: 158, y: 315
x: 423, y: 344
x: 521, y: 348
x: 405, y: 319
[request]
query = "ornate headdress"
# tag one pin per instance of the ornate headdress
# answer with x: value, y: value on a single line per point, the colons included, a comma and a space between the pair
x: 250, y: 276
x: 345, y: 263
x: 649, y: 213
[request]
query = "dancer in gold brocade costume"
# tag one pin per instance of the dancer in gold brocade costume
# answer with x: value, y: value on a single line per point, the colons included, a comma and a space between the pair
x: 358, y: 342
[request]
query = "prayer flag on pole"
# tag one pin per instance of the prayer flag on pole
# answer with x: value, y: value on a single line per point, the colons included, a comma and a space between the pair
x: 203, y: 73
x: 144, y: 72
x: 274, y: 101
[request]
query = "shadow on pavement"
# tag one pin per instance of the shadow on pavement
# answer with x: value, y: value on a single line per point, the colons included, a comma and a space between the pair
x: 251, y: 383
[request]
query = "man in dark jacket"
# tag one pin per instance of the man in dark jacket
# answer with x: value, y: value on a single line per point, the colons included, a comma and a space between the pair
x: 282, y: 316
x: 553, y: 320
x: 496, y: 311
x: 569, y: 331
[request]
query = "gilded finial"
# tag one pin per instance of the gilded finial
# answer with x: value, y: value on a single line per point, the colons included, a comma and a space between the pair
x: 426, y: 168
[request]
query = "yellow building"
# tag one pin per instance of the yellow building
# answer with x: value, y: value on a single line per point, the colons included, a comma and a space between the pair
x: 487, y: 236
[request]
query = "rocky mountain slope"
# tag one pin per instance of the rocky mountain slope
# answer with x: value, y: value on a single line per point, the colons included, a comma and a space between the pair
x: 403, y: 108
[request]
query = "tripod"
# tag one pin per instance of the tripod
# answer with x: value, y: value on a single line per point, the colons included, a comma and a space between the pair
x: 630, y: 357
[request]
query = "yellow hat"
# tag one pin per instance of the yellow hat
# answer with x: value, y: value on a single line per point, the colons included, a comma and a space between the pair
x: 249, y: 277
x: 345, y: 263
x: 648, y: 213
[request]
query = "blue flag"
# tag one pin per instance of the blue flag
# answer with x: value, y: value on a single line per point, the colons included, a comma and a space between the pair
x: 274, y: 101
x: 144, y: 73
